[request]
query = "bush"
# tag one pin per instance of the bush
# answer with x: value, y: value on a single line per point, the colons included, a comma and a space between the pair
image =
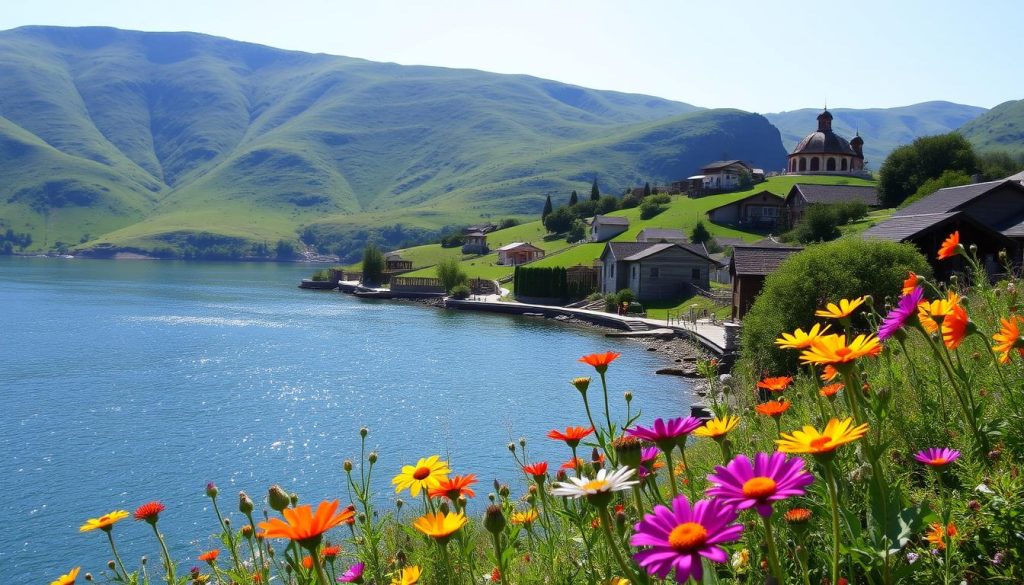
x: 607, y: 204
x: 560, y: 220
x: 507, y: 223
x: 625, y: 296
x: 460, y: 291
x: 450, y: 273
x: 650, y: 208
x: 629, y: 201
x: 850, y: 211
x: 818, y: 275
x: 820, y: 223
x: 662, y: 199
x: 373, y: 264
x: 577, y: 232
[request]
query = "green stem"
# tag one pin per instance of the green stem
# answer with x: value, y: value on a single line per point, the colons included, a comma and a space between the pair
x: 671, y: 472
x: 606, y: 524
x: 321, y: 575
x: 167, y: 556
x: 117, y: 557
x: 231, y: 537
x: 689, y: 475
x: 773, y: 553
x: 834, y: 502
x: 639, y: 501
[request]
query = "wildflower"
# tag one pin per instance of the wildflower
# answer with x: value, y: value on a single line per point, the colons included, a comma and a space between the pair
x: 305, y: 527
x: 910, y: 283
x: 832, y: 349
x: 574, y: 463
x: 1009, y: 338
x: 740, y: 562
x: 811, y: 441
x: 68, y: 579
x: 629, y: 450
x: 770, y: 478
x: 600, y: 361
x: 938, y: 536
x: 440, y: 526
x: 537, y: 470
x: 797, y: 516
x: 105, y: 522
x: 408, y: 576
x: 278, y: 498
x: 617, y: 581
x: 666, y: 434
x: 457, y: 486
x: 528, y: 517
x: 717, y: 428
x: 330, y: 552
x: 937, y: 457
x: 354, y: 574
x: 773, y: 408
x: 800, y: 340
x: 829, y: 373
x: 209, y: 556
x: 581, y: 384
x: 949, y: 246
x: 494, y: 519
x: 912, y: 557
x: 776, y: 384
x: 572, y: 435
x: 307, y: 562
x: 598, y: 490
x: 902, y: 313
x: 677, y: 538
x: 844, y: 309
x: 149, y: 512
x: 831, y: 390
x: 426, y: 474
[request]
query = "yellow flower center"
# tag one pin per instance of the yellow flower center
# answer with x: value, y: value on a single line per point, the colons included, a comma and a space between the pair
x: 820, y: 443
x: 759, y: 487
x: 687, y: 537
x: 595, y: 484
x: 421, y: 473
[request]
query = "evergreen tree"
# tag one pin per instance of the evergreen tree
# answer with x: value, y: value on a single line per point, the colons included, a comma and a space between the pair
x: 373, y: 265
x: 547, y: 209
x: 594, y: 193
x: 573, y: 199
x: 700, y: 234
x: 647, y: 189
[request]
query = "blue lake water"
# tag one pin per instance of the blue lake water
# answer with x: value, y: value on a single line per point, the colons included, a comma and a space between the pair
x: 125, y: 382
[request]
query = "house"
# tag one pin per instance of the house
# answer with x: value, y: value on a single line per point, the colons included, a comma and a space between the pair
x: 606, y: 227
x: 485, y: 228
x: 723, y: 175
x: 1019, y: 177
x: 988, y: 215
x: 748, y: 268
x: 761, y: 211
x: 518, y: 253
x: 394, y: 263
x: 823, y: 152
x: 655, y: 271
x: 662, y: 235
x: 475, y: 242
x: 802, y: 195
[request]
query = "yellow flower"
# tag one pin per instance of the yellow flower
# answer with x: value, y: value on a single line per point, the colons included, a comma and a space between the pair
x: 832, y: 349
x: 68, y: 579
x: 717, y: 427
x: 440, y: 526
x: 528, y: 517
x: 104, y: 522
x: 427, y: 473
x: 407, y: 576
x: 617, y: 581
x: 811, y: 441
x: 1008, y: 338
x: 844, y: 309
x: 799, y: 339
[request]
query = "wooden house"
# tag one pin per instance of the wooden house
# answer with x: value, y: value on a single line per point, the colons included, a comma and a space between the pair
x: 748, y: 268
x: 761, y: 211
x: 475, y: 242
x: 518, y: 253
x: 801, y: 196
x: 655, y: 271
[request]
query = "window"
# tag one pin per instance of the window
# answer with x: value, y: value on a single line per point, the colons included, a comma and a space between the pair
x: 633, y: 272
x: 695, y: 274
x: 613, y: 271
x: 769, y: 211
x: 654, y: 272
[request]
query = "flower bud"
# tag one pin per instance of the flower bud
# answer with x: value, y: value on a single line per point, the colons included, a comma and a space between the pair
x: 88, y: 576
x: 277, y: 498
x: 361, y: 517
x: 522, y: 442
x: 110, y: 565
x: 245, y: 503
x: 494, y: 519
x: 974, y: 505
x: 294, y: 499
x: 497, y: 485
x: 628, y: 396
x: 211, y: 490
x: 363, y: 431
x: 444, y: 507
x: 372, y: 457
x: 399, y: 503
x: 143, y: 560
x: 227, y: 523
x: 270, y: 551
x: 247, y: 531
x: 347, y: 465
x: 503, y: 491
x: 463, y: 502
x: 628, y: 450
x: 492, y: 497
x: 561, y: 475
x: 581, y: 384
x: 512, y: 447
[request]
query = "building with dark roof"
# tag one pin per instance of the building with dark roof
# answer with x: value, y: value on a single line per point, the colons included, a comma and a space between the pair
x: 662, y: 235
x: 606, y: 227
x: 802, y: 195
x: 655, y: 271
x: 722, y: 175
x: 823, y: 152
x: 748, y: 268
x: 761, y: 211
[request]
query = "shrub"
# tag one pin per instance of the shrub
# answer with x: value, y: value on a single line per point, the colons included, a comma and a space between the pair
x: 625, y: 296
x: 607, y: 204
x: 507, y: 223
x: 460, y: 291
x: 663, y: 198
x: 650, y: 208
x: 577, y: 232
x: 809, y: 279
x: 850, y: 211
x: 820, y: 223
x: 373, y: 264
x: 629, y: 201
x: 559, y: 220
x: 700, y: 234
x: 450, y: 273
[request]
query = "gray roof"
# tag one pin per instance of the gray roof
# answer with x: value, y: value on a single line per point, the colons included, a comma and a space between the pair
x: 758, y: 260
x: 1019, y: 177
x: 901, y: 227
x: 655, y: 249
x: 727, y: 241
x: 612, y: 220
x: 835, y: 193
x: 721, y: 164
x: 739, y: 201
x: 661, y: 233
x: 623, y: 249
x: 950, y: 198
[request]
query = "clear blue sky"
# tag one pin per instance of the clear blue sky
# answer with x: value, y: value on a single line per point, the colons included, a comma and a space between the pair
x: 762, y: 56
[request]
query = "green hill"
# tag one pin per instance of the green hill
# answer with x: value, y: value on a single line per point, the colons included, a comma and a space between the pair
x: 882, y: 129
x: 153, y: 140
x: 1001, y: 128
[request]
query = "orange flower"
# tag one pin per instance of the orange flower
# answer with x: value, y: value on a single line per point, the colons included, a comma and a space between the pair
x: 844, y: 309
x: 830, y: 390
x: 572, y: 435
x: 330, y: 552
x: 938, y: 537
x: 829, y: 373
x: 833, y: 349
x: 910, y: 283
x: 210, y: 556
x: 949, y: 246
x: 776, y: 384
x: 949, y: 313
x: 600, y: 361
x: 68, y: 579
x: 303, y: 526
x: 774, y: 408
x: 454, y: 487
x: 149, y: 512
x: 307, y: 562
x: 954, y: 327
x: 576, y: 463
x: 1009, y: 338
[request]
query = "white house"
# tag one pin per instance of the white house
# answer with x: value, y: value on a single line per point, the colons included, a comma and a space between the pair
x: 606, y: 227
x: 724, y: 175
x: 518, y: 253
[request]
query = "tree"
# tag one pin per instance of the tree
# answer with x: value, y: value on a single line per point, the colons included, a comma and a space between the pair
x: 909, y: 166
x: 946, y: 179
x: 595, y: 194
x: 820, y: 274
x: 373, y: 265
x: 700, y: 234
x: 450, y: 273
x: 746, y: 180
x: 649, y: 208
x: 573, y: 199
x: 820, y: 223
x: 647, y: 189
x: 999, y: 164
x: 547, y: 208
x: 559, y: 220
x: 607, y: 204
x: 577, y: 232
x: 284, y: 250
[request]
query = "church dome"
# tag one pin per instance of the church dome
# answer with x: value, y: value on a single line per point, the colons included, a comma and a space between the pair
x: 824, y: 140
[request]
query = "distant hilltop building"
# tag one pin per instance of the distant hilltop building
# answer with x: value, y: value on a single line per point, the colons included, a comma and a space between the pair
x: 824, y: 152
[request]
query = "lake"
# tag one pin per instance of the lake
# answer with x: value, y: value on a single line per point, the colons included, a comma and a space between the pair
x: 129, y: 381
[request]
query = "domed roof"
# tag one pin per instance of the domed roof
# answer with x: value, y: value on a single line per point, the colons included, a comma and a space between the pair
x: 824, y: 140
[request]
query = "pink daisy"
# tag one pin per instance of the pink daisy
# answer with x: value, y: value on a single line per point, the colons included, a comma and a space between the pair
x: 937, y: 457
x: 770, y: 478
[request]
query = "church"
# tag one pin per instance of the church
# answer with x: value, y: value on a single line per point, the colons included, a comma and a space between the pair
x: 824, y: 152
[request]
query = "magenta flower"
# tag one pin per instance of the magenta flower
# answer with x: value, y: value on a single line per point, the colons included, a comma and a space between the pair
x: 667, y: 434
x: 937, y: 457
x: 354, y: 574
x: 898, y: 317
x: 677, y: 538
x: 770, y: 478
x: 647, y: 458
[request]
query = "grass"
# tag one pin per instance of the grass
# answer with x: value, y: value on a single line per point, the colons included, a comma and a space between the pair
x: 676, y: 307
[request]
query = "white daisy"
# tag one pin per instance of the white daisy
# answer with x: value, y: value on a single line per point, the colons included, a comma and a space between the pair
x: 576, y: 487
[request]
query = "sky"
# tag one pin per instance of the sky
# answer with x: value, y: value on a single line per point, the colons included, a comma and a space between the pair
x: 756, y: 55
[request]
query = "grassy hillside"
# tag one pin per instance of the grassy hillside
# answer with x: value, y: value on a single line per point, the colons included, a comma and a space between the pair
x: 882, y: 129
x: 1001, y: 128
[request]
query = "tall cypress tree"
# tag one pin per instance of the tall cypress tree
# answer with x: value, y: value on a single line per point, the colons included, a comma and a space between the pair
x: 573, y: 199
x: 547, y: 208
x: 647, y: 189
x: 594, y: 193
